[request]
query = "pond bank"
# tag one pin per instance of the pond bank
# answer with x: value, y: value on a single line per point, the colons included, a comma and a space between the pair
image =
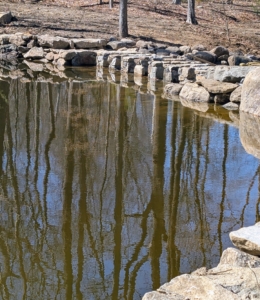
x: 235, y: 278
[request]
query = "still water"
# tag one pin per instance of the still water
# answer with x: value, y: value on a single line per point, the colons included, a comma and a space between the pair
x: 107, y: 193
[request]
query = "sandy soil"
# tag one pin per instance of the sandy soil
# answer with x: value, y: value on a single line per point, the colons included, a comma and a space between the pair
x: 236, y: 25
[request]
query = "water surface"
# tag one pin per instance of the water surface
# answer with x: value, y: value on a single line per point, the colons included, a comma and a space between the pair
x: 107, y: 193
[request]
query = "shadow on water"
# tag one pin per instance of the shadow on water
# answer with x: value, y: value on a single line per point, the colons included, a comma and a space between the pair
x: 107, y: 192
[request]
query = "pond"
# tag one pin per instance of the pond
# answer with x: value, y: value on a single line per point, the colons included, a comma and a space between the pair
x: 107, y: 192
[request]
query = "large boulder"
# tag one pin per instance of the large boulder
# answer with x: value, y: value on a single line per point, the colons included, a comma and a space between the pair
x: 172, y: 89
x: 247, y: 239
x: 89, y: 43
x: 219, y: 51
x: 250, y: 96
x: 194, y: 92
x: 217, y: 87
x: 53, y: 42
x: 5, y: 17
x: 205, y: 55
x: 249, y: 131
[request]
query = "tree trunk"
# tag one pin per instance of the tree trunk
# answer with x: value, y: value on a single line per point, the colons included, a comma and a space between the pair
x: 123, y: 28
x: 111, y: 3
x: 177, y: 2
x: 191, y: 18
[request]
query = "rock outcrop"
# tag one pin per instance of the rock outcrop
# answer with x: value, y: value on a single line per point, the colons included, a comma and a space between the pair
x: 250, y: 96
x: 236, y: 277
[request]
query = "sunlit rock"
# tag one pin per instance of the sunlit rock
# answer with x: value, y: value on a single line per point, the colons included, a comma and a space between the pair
x: 89, y: 43
x: 36, y: 67
x: 171, y: 90
x: 237, y: 258
x: 236, y: 95
x: 247, y: 239
x: 196, y: 287
x: 195, y: 93
x: 250, y: 96
x: 217, y: 87
x: 34, y: 53
x: 249, y: 131
x: 53, y: 42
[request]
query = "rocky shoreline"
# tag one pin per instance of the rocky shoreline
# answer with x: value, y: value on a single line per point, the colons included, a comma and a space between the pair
x: 236, y: 277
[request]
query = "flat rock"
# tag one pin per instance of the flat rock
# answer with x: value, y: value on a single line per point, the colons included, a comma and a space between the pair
x: 247, y: 239
x: 5, y: 17
x: 194, y: 92
x: 236, y: 60
x: 89, y: 43
x: 34, y: 53
x: 217, y: 87
x: 53, y: 42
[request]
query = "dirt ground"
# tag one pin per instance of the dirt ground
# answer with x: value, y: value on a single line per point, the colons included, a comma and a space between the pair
x: 236, y: 25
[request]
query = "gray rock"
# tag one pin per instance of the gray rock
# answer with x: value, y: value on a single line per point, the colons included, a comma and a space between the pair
x: 17, y: 39
x: 217, y: 87
x: 236, y: 95
x: 220, y: 51
x: 236, y: 258
x: 249, y: 131
x: 171, y: 90
x: 194, y: 93
x: 84, y: 58
x: 34, y: 53
x: 174, y: 49
x: 115, y: 63
x: 5, y: 17
x: 53, y: 42
x: 250, y: 96
x: 89, y: 43
x: 185, y: 49
x: 223, y: 58
x: 115, y: 45
x: 128, y: 42
x: 247, y: 239
x: 206, y: 55
x: 198, y: 48
x: 235, y: 60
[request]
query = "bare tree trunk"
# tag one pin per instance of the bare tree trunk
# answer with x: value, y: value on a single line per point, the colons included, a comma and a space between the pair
x: 111, y: 3
x: 191, y: 18
x: 177, y: 2
x: 99, y: 2
x: 123, y: 28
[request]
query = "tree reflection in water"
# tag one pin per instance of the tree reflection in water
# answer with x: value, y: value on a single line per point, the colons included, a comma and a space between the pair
x: 107, y: 193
